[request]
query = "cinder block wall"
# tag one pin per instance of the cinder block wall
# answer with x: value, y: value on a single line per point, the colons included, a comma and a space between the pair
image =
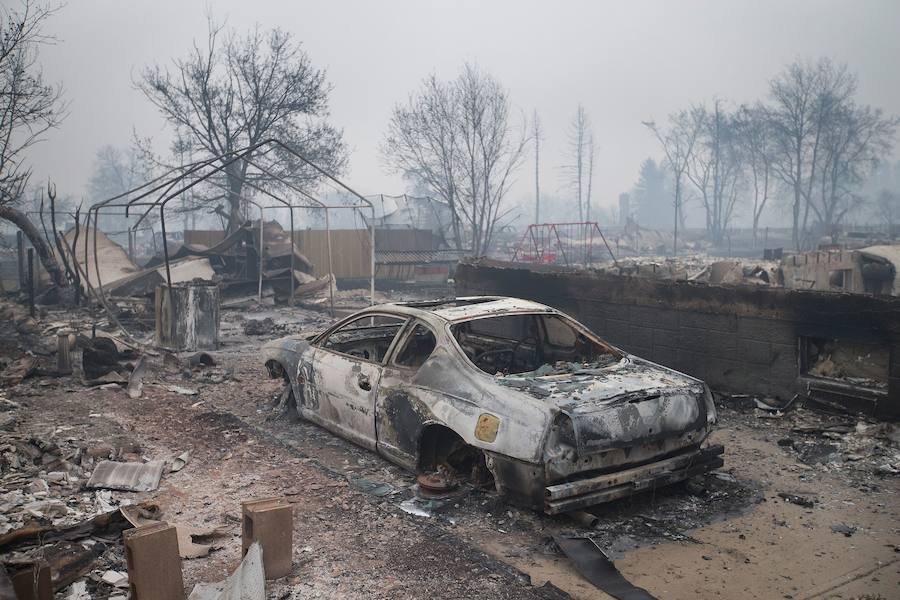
x: 740, y: 339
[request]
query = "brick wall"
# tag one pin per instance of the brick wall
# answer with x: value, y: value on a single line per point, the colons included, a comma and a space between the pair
x: 740, y: 339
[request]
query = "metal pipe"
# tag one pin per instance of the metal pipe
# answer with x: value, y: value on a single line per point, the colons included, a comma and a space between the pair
x: 261, y: 250
x: 31, y: 310
x: 162, y: 224
x: 96, y: 258
x: 332, y: 281
x: 583, y: 518
x: 372, y: 264
x: 293, y: 253
x: 20, y: 257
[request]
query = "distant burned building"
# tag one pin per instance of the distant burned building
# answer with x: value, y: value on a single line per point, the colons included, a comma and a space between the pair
x: 871, y: 270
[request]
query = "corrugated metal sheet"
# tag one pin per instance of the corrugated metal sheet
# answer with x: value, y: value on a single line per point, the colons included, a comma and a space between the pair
x: 129, y: 477
x: 248, y: 582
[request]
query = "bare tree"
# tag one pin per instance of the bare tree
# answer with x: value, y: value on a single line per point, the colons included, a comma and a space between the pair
x: 753, y: 131
x: 117, y: 171
x: 803, y: 98
x: 677, y: 142
x: 240, y: 91
x: 457, y: 138
x: 29, y: 107
x: 580, y: 151
x: 854, y: 140
x: 715, y: 167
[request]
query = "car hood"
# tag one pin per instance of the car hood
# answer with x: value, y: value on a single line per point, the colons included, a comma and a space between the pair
x: 589, y: 385
x: 619, y: 404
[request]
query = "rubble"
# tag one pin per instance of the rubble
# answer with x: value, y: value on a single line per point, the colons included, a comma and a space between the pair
x: 259, y: 326
x: 54, y: 432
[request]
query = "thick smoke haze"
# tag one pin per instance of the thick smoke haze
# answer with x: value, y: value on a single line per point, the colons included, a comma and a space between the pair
x: 625, y: 62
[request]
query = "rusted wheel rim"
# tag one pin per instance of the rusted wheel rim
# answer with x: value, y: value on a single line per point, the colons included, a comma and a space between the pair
x: 436, y: 483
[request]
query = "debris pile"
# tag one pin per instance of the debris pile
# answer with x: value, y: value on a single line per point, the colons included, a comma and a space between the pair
x: 699, y: 267
x: 858, y: 447
x: 48, y: 478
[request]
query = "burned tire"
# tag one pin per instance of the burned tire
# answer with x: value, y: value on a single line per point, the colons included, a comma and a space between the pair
x: 441, y: 449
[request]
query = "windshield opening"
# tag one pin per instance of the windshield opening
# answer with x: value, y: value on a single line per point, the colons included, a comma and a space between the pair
x: 537, y: 344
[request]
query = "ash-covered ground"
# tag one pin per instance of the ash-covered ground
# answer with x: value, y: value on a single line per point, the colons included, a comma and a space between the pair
x: 805, y: 506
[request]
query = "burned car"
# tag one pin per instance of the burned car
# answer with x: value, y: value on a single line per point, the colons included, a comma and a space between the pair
x: 501, y: 389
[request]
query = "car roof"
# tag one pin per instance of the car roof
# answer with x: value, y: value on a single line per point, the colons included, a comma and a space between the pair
x: 466, y: 307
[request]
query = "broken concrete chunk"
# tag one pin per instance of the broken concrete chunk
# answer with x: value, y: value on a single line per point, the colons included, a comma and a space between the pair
x: 248, y: 582
x: 129, y: 477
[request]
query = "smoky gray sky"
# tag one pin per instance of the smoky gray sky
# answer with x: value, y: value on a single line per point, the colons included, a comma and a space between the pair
x: 625, y: 61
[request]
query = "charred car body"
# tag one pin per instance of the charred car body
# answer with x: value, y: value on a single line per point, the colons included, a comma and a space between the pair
x: 506, y: 389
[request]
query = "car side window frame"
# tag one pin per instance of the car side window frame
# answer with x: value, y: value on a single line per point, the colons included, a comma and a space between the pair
x: 319, y: 342
x: 402, y: 339
x: 578, y: 326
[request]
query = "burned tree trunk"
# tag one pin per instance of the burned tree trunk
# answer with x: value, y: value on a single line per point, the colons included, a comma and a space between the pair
x: 43, y: 249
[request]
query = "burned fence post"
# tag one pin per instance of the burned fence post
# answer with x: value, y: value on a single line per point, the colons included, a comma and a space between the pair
x: 331, y: 285
x: 262, y: 251
x: 270, y: 522
x: 32, y: 581
x: 20, y: 257
x: 31, y: 281
x: 64, y: 339
x: 187, y: 316
x: 154, y: 563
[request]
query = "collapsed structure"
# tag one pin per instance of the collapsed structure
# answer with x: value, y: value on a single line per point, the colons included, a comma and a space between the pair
x: 840, y: 350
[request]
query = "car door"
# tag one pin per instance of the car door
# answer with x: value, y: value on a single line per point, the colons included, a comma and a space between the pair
x: 402, y: 408
x: 346, y: 367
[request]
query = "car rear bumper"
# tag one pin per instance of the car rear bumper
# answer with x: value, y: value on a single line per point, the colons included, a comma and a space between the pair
x: 581, y: 493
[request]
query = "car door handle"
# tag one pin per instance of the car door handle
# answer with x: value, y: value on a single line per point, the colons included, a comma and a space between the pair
x: 364, y: 383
